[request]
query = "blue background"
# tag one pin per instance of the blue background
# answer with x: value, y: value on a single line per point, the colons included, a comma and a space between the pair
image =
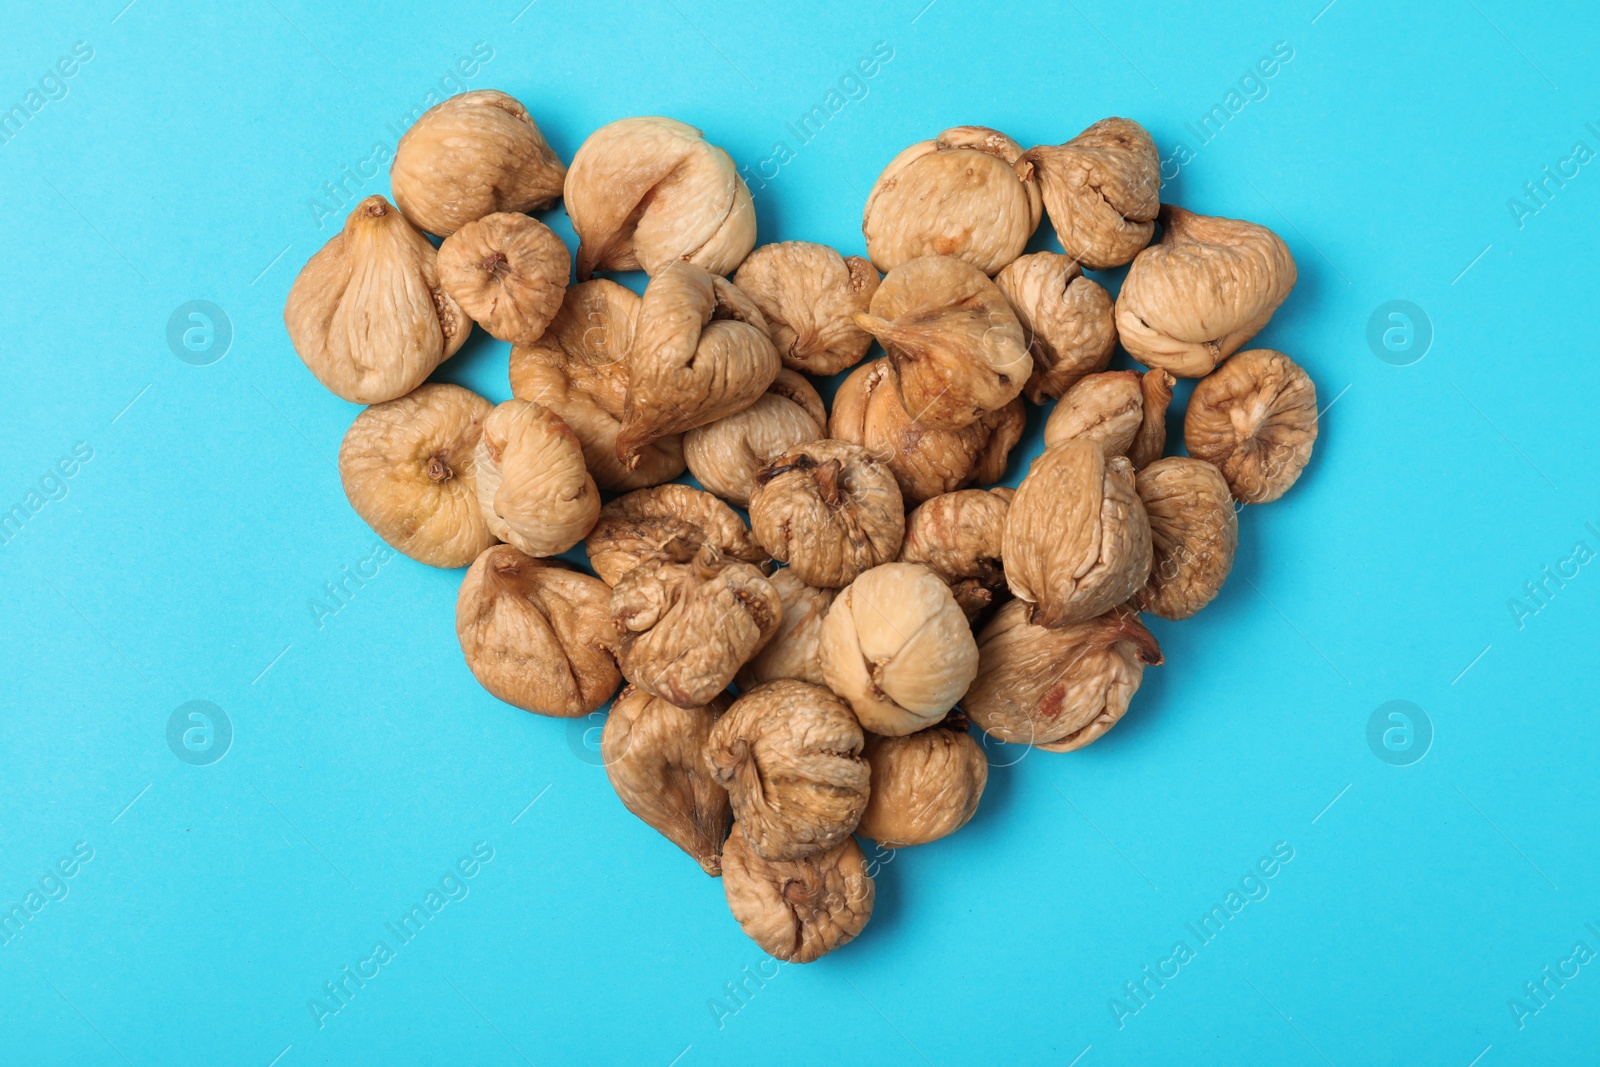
x: 365, y: 762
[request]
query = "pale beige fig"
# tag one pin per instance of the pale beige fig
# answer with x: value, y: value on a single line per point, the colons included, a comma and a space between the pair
x: 897, y: 646
x: 538, y: 634
x: 654, y: 753
x: 1057, y: 689
x: 687, y: 628
x: 1195, y: 297
x: 789, y: 755
x: 1122, y: 409
x: 955, y: 346
x: 926, y: 462
x: 1077, y: 540
x: 700, y: 353
x: 473, y: 155
x: 578, y: 368
x: 1070, y: 322
x: 1255, y: 418
x: 798, y: 910
x: 725, y: 455
x: 535, y: 492
x: 509, y: 272
x: 667, y: 524
x: 367, y: 313
x: 925, y: 785
x: 646, y: 193
x: 1102, y: 190
x: 408, y: 470
x: 829, y: 510
x: 810, y: 296
x: 957, y: 536
x: 966, y: 193
x: 793, y: 651
x: 1194, y: 530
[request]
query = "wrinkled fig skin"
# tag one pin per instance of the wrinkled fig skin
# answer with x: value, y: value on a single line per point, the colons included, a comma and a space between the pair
x: 1255, y: 418
x: 1102, y: 190
x: 925, y: 785
x: 654, y: 756
x: 725, y: 455
x: 537, y: 634
x: 532, y: 485
x: 667, y: 524
x: 367, y: 314
x: 810, y: 296
x: 645, y: 193
x: 794, y: 650
x: 801, y: 910
x: 1069, y: 321
x: 829, y: 510
x: 966, y: 193
x: 473, y: 155
x: 700, y: 353
x: 1122, y: 409
x: 509, y: 272
x: 1077, y: 541
x: 1194, y: 529
x: 958, y: 537
x: 1196, y: 296
x: 578, y: 369
x: 408, y: 470
x: 1057, y: 689
x: 926, y: 462
x: 898, y: 647
x: 789, y: 755
x: 957, y: 349
x: 687, y: 628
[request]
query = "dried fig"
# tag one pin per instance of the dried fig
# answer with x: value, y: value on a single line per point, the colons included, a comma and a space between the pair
x: 667, y: 524
x: 957, y: 536
x: 532, y: 485
x: 793, y: 651
x: 1122, y: 409
x: 798, y: 910
x: 1196, y: 296
x: 726, y: 454
x: 1069, y: 321
x: 509, y: 272
x: 1102, y: 190
x: 829, y: 510
x: 925, y: 785
x: 1194, y: 529
x: 1255, y: 418
x: 810, y: 296
x: 367, y: 314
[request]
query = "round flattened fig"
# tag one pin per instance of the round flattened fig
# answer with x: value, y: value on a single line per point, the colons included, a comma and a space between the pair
x: 654, y: 754
x: 810, y: 296
x: 1102, y: 190
x: 1069, y: 321
x: 956, y: 348
x: 789, y: 755
x: 958, y: 536
x: 725, y: 455
x: 532, y: 485
x: 1196, y: 296
x: 1194, y: 529
x: 798, y: 910
x: 367, y: 314
x: 473, y: 155
x: 829, y: 510
x: 925, y: 785
x: 926, y: 462
x: 667, y: 524
x: 1255, y: 419
x: 509, y: 272
x: 1057, y: 689
x: 1077, y: 541
x: 645, y: 193
x: 898, y: 647
x: 1122, y: 409
x: 793, y: 651
x: 408, y: 470
x: 966, y: 193
x: 537, y: 634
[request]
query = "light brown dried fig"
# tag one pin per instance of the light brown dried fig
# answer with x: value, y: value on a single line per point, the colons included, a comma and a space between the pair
x: 1255, y: 418
x: 367, y: 313
x: 1102, y: 190
x: 654, y: 753
x: 667, y: 524
x: 726, y: 454
x: 789, y: 755
x: 957, y: 349
x: 1122, y: 409
x: 925, y: 785
x: 509, y: 272
x: 798, y: 910
x: 538, y: 634
x: 473, y: 155
x: 407, y: 467
x: 810, y: 296
x: 532, y: 485
x: 793, y: 651
x: 1069, y: 321
x: 1196, y: 296
x: 829, y: 510
x: 1057, y: 689
x: 646, y: 193
x: 1194, y: 529
x: 958, y: 536
x: 1077, y: 540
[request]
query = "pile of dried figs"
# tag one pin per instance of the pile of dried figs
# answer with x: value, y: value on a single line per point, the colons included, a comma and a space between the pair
x: 804, y: 642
